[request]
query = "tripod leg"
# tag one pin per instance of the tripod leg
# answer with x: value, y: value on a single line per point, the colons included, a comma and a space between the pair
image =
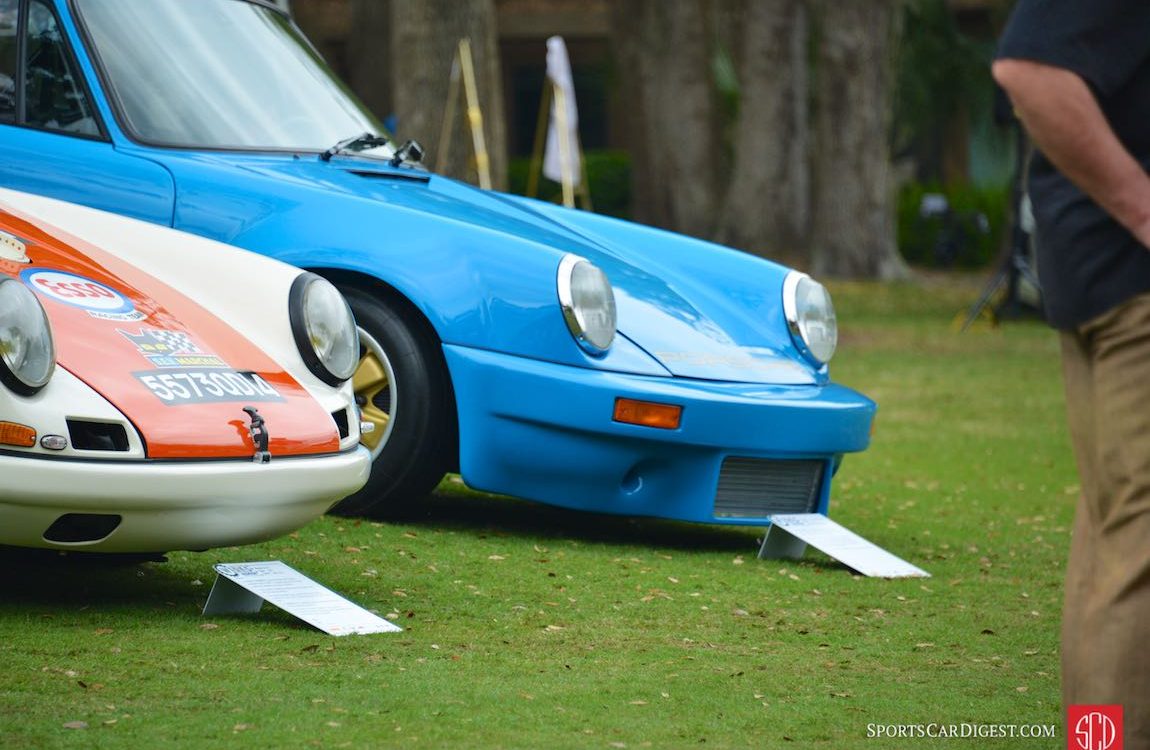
x: 988, y: 292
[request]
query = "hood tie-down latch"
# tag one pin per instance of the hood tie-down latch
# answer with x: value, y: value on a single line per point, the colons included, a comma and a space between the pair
x: 259, y: 433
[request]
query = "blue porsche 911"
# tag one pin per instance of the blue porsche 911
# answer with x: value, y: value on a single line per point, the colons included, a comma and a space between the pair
x: 541, y: 352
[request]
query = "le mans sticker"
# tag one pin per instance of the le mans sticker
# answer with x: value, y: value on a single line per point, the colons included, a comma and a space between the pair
x: 96, y: 299
x: 171, y: 348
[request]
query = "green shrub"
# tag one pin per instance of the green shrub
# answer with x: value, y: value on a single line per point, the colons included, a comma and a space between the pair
x: 957, y: 238
x: 608, y: 176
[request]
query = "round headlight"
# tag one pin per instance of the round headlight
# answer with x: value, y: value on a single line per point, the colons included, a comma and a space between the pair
x: 811, y: 317
x: 588, y: 304
x: 27, y: 352
x: 324, y: 328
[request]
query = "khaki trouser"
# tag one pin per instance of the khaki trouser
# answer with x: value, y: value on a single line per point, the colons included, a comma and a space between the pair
x: 1106, y: 616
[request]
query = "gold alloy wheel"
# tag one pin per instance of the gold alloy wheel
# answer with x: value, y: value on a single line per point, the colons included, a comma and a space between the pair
x: 373, y: 378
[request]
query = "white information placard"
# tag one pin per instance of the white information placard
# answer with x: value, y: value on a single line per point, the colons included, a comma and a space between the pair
x: 789, y: 534
x: 242, y: 588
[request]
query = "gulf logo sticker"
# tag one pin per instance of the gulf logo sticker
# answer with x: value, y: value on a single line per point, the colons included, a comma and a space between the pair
x: 98, y: 300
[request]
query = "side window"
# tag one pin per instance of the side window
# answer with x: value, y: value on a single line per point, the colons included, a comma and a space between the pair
x: 53, y: 96
x: 8, y: 54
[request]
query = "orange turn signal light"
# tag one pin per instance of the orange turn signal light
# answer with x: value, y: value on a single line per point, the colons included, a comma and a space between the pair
x: 648, y: 413
x: 22, y: 436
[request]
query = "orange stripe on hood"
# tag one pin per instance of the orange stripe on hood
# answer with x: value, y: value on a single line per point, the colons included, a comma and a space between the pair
x: 178, y: 372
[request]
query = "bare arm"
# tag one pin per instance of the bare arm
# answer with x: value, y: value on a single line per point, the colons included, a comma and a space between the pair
x: 1064, y: 120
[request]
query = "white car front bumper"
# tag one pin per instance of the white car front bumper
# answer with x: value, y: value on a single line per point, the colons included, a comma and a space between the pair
x: 166, y: 505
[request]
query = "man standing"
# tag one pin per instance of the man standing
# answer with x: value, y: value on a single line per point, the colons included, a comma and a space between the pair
x: 1078, y: 74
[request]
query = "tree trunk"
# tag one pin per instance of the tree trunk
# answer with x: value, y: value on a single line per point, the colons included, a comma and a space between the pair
x: 424, y: 40
x: 369, y: 55
x: 664, y: 51
x: 767, y: 206
x: 854, y: 205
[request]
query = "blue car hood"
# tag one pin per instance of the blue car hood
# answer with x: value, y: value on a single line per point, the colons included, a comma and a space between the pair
x: 692, y: 326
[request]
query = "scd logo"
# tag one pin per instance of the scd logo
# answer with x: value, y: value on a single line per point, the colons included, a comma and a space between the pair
x: 1094, y: 727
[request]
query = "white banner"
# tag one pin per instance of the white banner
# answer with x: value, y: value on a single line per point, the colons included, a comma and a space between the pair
x: 561, y: 161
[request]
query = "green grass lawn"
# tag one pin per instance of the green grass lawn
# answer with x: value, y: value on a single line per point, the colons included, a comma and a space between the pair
x: 532, y: 627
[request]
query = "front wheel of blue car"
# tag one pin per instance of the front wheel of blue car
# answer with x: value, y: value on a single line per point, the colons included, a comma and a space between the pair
x: 404, y: 395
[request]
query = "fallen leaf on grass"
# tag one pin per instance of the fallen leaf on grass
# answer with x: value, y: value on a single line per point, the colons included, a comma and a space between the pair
x: 76, y: 725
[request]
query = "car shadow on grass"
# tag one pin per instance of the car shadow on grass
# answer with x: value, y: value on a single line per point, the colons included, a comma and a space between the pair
x: 458, y: 508
x: 55, y: 578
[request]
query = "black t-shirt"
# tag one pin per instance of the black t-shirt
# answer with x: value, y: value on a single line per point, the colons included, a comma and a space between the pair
x: 1087, y: 262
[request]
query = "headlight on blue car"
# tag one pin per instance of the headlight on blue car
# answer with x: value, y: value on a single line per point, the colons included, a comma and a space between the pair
x: 27, y: 352
x: 810, y: 317
x: 588, y: 304
x: 323, y: 328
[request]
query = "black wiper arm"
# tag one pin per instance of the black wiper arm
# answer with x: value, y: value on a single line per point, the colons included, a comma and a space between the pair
x: 363, y: 140
x: 410, y: 153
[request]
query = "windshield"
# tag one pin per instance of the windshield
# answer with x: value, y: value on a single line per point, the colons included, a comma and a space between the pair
x: 219, y: 74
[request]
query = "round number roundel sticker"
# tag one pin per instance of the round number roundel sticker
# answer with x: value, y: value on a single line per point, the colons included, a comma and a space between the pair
x: 77, y: 291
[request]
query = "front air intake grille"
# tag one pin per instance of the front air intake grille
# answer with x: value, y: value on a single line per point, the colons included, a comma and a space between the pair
x: 762, y: 487
x: 97, y: 436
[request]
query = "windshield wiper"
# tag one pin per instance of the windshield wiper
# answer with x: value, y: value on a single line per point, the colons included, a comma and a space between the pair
x: 362, y: 141
x: 410, y: 153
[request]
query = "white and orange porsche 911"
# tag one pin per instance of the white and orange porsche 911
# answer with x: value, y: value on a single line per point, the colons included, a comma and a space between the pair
x: 151, y: 401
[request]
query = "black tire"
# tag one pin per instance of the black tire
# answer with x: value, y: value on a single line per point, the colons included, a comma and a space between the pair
x: 404, y: 390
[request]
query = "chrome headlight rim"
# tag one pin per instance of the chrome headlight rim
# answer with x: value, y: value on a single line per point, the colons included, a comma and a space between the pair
x: 14, y: 374
x: 334, y: 366
x: 818, y: 354
x: 595, y: 340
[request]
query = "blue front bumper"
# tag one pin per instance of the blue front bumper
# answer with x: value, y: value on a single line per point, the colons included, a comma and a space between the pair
x: 545, y: 432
